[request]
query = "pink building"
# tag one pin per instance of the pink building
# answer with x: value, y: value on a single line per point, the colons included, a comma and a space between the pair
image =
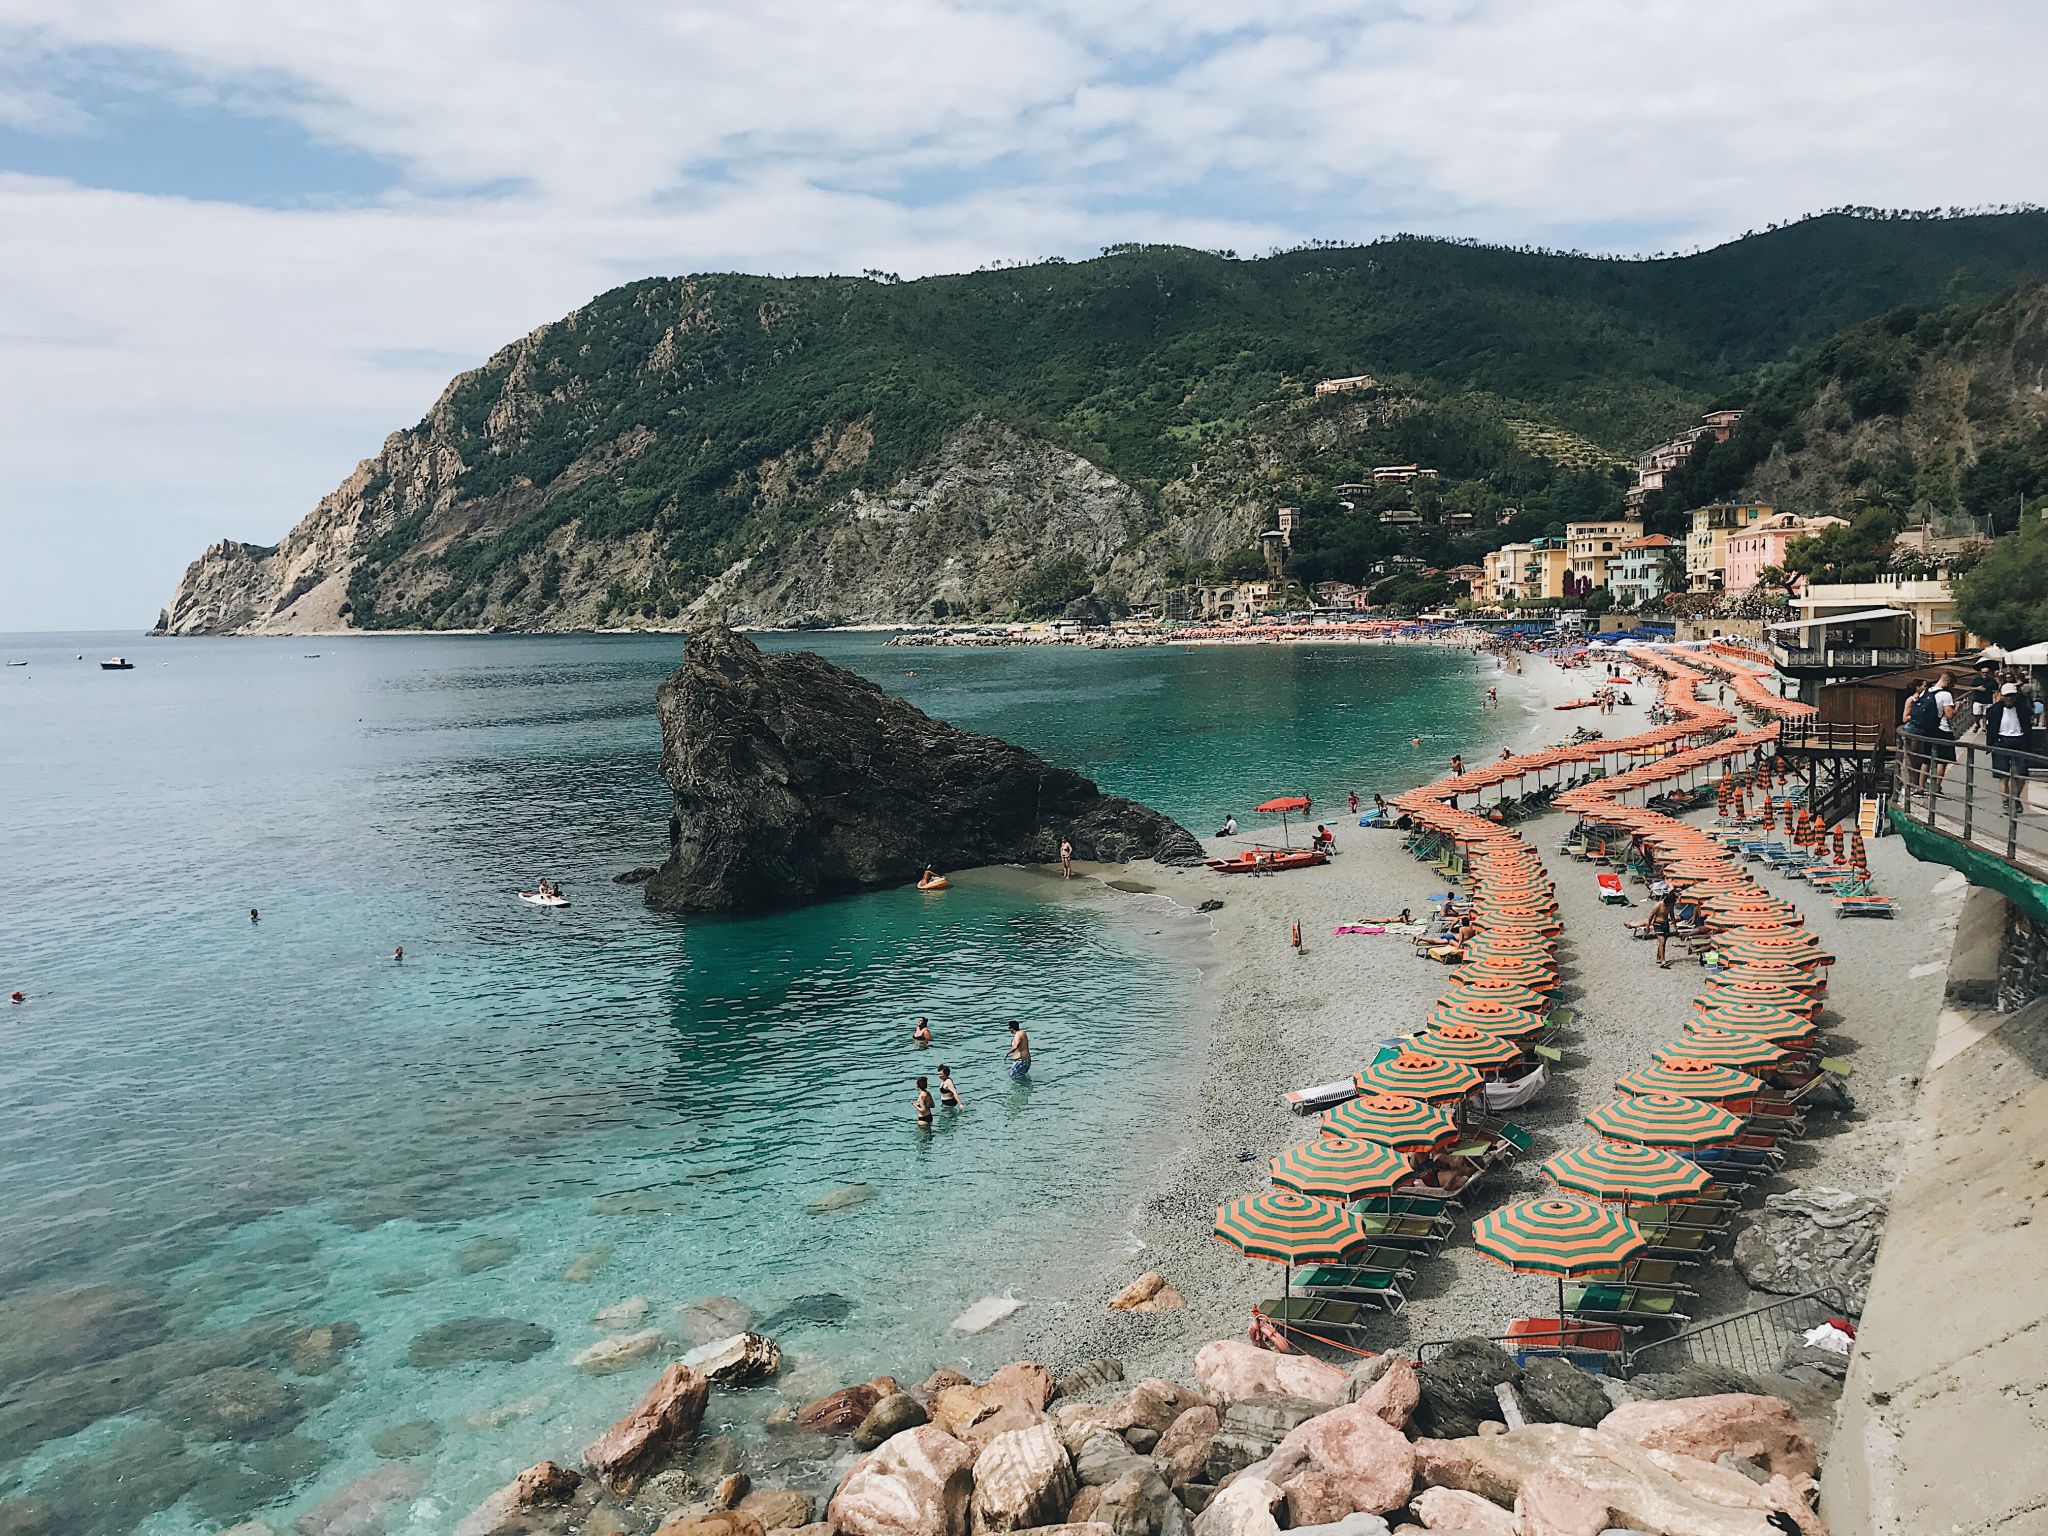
x: 1755, y: 549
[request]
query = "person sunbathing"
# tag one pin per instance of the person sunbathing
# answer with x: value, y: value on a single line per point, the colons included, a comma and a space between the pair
x: 1442, y: 1174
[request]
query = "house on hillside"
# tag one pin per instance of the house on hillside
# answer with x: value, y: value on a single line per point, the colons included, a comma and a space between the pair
x: 1340, y: 386
x: 1635, y: 575
x: 1400, y: 474
x: 1336, y: 594
x: 1400, y: 517
x: 1290, y: 519
x: 1757, y: 548
x: 1592, y: 546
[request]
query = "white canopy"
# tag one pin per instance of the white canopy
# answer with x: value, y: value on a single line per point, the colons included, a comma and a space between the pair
x: 2035, y: 655
x: 1860, y: 617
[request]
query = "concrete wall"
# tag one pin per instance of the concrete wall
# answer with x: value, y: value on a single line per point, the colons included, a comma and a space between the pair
x: 1943, y: 1426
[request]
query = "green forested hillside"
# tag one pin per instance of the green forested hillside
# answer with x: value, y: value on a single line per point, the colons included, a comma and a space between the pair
x: 702, y: 420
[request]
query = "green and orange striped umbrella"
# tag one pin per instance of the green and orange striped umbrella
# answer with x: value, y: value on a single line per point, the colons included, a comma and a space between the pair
x: 1470, y: 1044
x: 1720, y: 991
x: 1812, y: 980
x: 1783, y: 1021
x: 1393, y: 1119
x: 1419, y: 1077
x: 1621, y: 1170
x: 1511, y: 946
x: 1553, y: 1235
x: 1447, y: 1013
x: 1690, y: 1076
x: 1341, y: 1168
x: 1490, y: 990
x: 1531, y: 973
x: 1728, y: 1047
x: 1803, y: 948
x: 1290, y: 1229
x: 1665, y: 1120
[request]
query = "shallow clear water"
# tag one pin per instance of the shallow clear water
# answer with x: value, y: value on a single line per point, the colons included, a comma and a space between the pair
x: 228, y: 1132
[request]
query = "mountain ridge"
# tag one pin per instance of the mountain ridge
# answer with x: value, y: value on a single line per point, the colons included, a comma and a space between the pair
x: 732, y: 444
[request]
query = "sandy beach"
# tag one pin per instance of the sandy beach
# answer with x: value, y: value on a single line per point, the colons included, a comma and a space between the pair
x: 1282, y: 1020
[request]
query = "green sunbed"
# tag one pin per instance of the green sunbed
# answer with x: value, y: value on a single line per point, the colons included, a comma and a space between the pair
x: 1317, y: 1316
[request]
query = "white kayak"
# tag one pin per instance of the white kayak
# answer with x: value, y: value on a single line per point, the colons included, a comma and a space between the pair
x: 540, y: 900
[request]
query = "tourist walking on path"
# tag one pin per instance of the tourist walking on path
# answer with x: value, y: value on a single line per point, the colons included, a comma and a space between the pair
x: 1918, y: 721
x: 1945, y: 737
x: 2009, y: 728
x: 948, y: 1094
x: 1066, y: 859
x: 1020, y: 1052
x: 924, y: 1105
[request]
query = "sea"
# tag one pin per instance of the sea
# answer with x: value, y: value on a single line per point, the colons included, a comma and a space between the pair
x: 295, y: 1229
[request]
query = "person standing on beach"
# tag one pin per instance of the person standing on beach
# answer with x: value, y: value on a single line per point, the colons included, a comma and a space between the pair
x: 1354, y: 802
x: 948, y: 1094
x: 1457, y: 763
x: 1020, y: 1052
x: 924, y: 1105
x: 1066, y: 859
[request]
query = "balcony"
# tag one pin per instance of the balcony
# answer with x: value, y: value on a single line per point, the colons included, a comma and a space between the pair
x: 1843, y: 660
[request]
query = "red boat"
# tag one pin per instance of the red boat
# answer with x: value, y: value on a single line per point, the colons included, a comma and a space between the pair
x: 1267, y: 861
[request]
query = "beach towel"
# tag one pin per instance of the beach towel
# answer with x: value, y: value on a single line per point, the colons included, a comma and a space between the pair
x: 1360, y: 928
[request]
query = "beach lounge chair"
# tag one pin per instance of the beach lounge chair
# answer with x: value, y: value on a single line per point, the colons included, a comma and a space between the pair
x: 1505, y: 1093
x: 1863, y: 906
x: 1607, y: 1302
x: 1323, y: 1318
x: 1421, y: 1234
x: 1593, y: 1347
x: 1385, y: 1289
x: 1408, y: 1205
x: 1611, y: 892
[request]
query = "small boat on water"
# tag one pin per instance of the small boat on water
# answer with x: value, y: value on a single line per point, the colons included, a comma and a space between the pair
x: 933, y: 883
x: 17, y: 663
x: 543, y: 899
x: 1268, y: 861
x: 117, y: 664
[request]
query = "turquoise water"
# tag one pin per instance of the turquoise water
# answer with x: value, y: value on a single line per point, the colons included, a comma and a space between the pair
x: 216, y: 1134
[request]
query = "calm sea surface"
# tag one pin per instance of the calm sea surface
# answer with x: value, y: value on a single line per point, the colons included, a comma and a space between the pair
x: 216, y: 1135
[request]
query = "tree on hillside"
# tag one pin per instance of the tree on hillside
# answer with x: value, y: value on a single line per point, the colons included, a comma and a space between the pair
x: 2005, y: 597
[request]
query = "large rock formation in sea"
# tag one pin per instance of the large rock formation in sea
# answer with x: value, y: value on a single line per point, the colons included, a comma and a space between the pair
x: 794, y: 778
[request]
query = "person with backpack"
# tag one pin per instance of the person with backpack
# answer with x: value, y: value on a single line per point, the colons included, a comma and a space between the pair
x: 1919, y: 722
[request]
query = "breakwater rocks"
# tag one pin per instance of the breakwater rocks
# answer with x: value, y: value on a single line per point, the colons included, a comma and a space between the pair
x: 795, y: 779
x: 1254, y: 1444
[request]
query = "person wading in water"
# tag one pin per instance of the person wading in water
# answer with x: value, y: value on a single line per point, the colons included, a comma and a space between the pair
x: 1020, y: 1052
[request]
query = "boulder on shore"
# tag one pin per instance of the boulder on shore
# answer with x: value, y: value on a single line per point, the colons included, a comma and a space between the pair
x: 1236, y: 1368
x: 666, y: 1418
x: 795, y: 779
x: 1747, y: 1427
x: 917, y: 1484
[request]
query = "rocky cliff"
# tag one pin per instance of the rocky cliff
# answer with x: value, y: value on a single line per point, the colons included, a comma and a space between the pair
x: 795, y: 779
x: 795, y: 450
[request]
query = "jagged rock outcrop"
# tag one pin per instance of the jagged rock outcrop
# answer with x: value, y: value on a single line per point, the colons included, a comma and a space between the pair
x: 794, y: 779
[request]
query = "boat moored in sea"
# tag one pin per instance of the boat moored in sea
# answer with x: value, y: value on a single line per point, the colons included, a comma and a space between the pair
x: 117, y: 664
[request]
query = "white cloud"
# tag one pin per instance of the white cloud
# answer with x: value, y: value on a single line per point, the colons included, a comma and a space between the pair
x: 176, y: 370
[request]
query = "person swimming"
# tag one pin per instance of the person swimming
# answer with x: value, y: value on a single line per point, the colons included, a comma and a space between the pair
x: 948, y: 1094
x: 921, y: 1032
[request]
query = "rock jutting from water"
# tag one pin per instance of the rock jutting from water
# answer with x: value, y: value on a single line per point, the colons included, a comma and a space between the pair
x: 796, y: 779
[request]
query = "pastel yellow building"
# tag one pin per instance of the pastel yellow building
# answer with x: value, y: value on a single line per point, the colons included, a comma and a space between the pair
x: 1706, y: 547
x: 1592, y: 545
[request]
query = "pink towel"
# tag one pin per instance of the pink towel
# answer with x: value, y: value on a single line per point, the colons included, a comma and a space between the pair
x: 1360, y: 928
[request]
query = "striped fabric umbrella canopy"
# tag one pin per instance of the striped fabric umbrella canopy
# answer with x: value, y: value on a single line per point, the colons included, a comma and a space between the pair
x: 1665, y: 1120
x: 1692, y: 1077
x: 1536, y: 947
x: 1756, y: 1016
x: 1469, y: 1044
x: 1722, y: 990
x: 1291, y: 1229
x: 1491, y: 990
x: 1788, y: 945
x: 1729, y: 1047
x: 1419, y: 1077
x: 1394, y: 1119
x: 1785, y: 971
x: 1501, y: 1018
x: 1531, y: 973
x: 1621, y: 1170
x: 1341, y: 1168
x: 1552, y: 1235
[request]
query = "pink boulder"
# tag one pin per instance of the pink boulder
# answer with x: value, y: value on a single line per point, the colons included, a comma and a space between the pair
x: 1394, y: 1396
x: 918, y: 1483
x: 1351, y: 1461
x: 1232, y: 1369
x: 1744, y: 1425
x: 1550, y: 1504
x: 665, y: 1419
x: 1452, y: 1509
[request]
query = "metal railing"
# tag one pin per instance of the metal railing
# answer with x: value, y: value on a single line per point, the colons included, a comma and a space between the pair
x: 1977, y: 794
x: 1754, y: 1342
x: 1847, y: 658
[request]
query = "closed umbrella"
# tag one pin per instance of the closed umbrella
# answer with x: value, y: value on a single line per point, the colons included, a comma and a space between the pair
x: 1341, y: 1168
x: 1665, y: 1120
x: 1552, y: 1235
x: 1394, y: 1119
x: 1418, y: 1076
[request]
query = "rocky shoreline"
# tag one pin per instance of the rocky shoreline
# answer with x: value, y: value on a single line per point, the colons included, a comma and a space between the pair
x: 1246, y: 1442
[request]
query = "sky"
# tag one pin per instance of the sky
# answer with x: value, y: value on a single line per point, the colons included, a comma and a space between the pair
x: 241, y: 242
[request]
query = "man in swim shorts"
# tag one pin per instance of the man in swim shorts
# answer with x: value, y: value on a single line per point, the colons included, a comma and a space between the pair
x: 1020, y: 1052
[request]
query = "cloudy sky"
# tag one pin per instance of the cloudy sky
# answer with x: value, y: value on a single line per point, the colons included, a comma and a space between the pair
x: 240, y: 241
